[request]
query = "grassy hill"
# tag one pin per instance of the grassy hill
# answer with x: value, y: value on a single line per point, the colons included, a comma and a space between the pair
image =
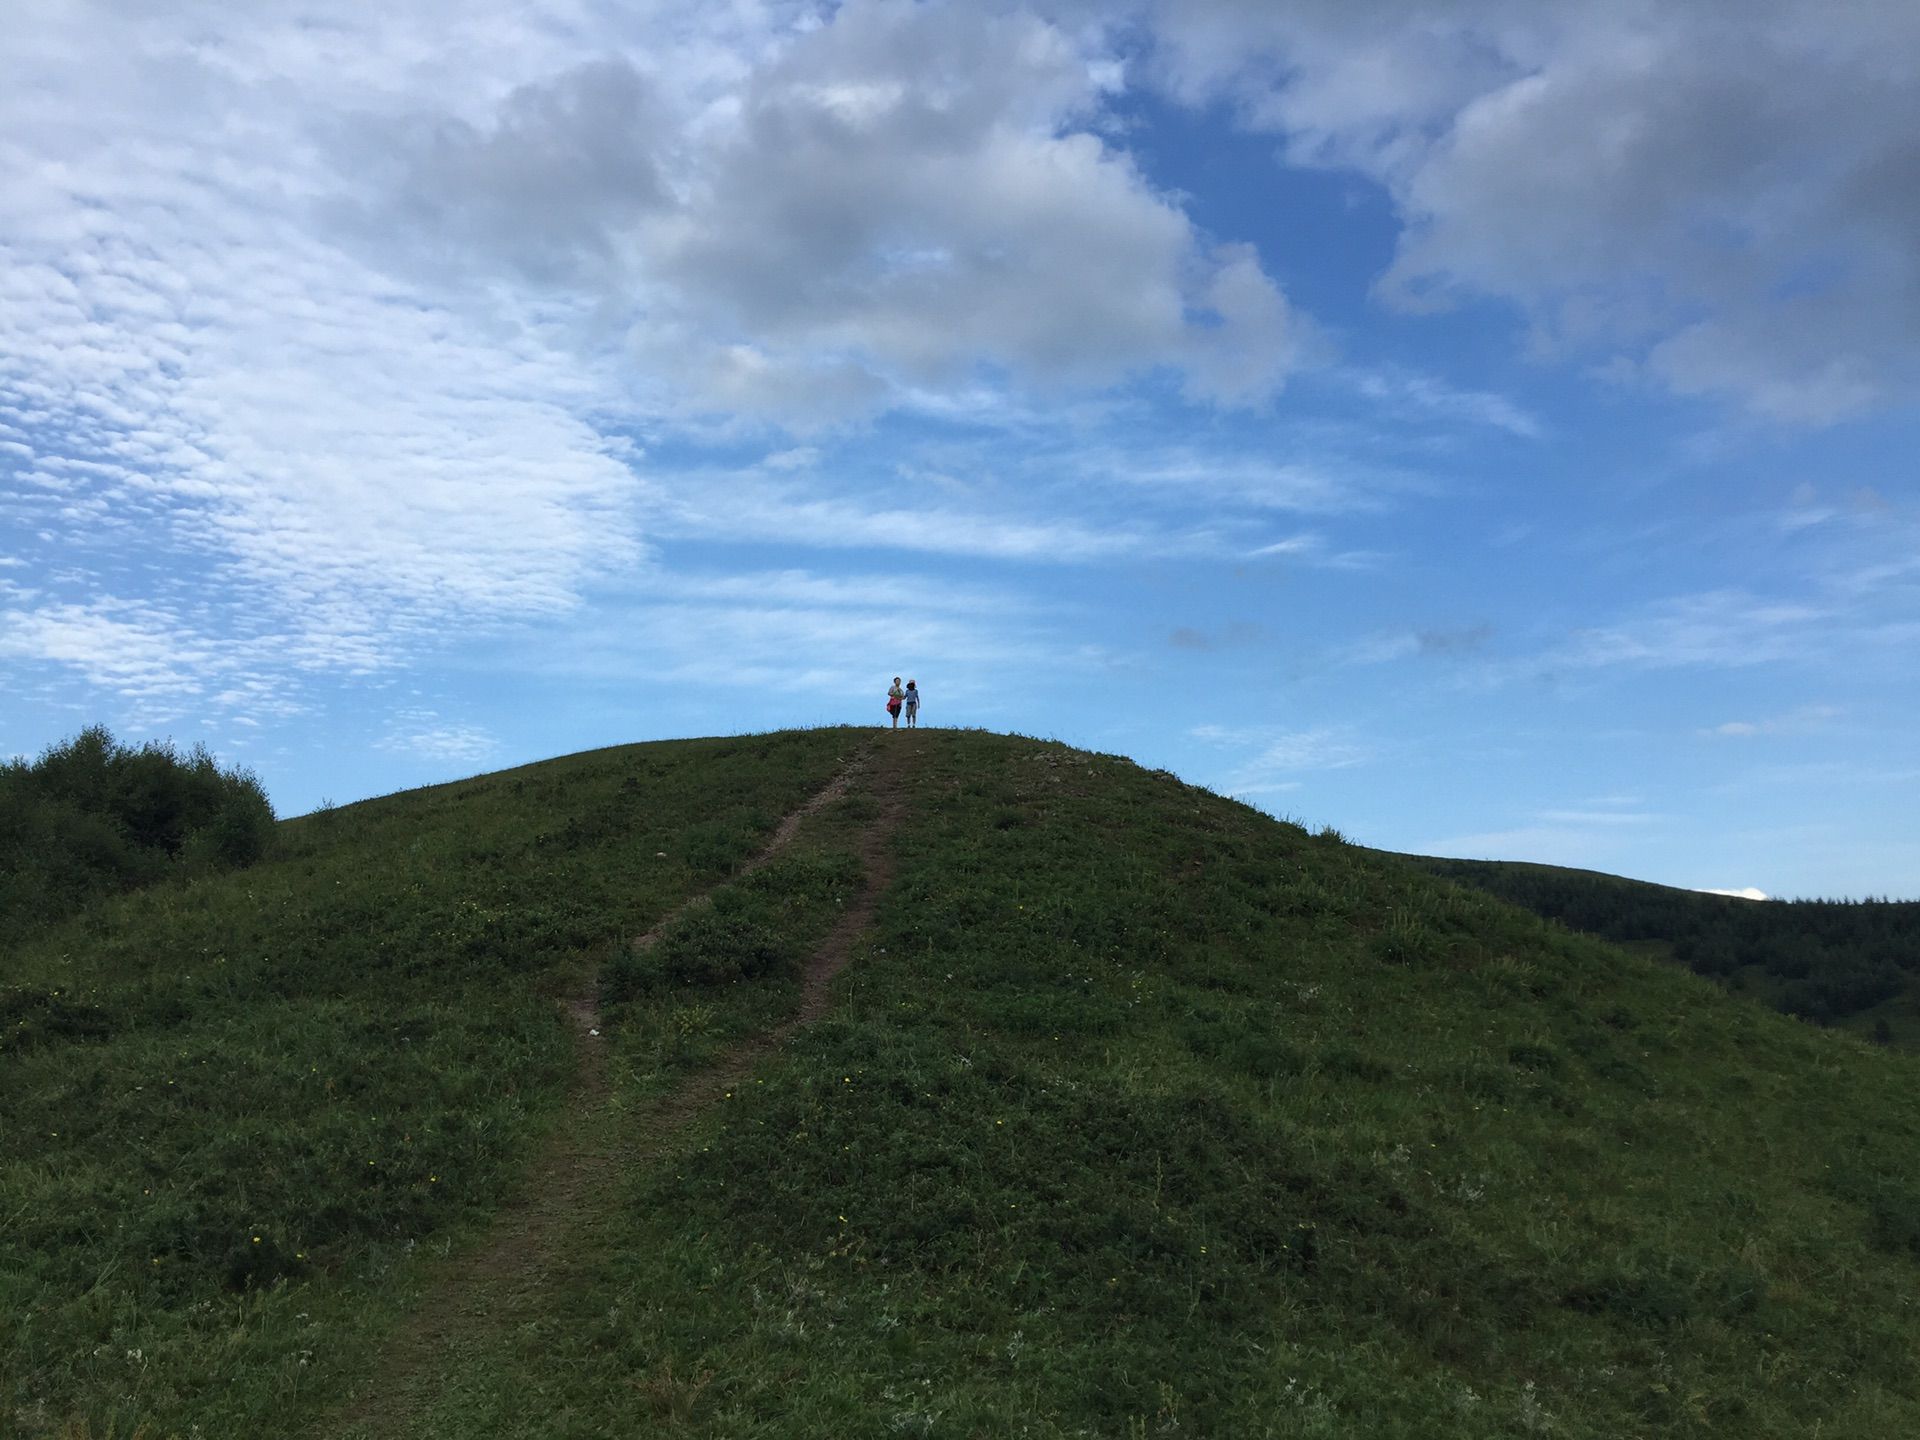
x: 1133, y: 1112
x: 1850, y: 963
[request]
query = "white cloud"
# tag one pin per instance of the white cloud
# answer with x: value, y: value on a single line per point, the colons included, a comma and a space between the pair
x: 424, y: 734
x: 1794, y: 722
x: 1229, y: 477
x: 197, y: 373
x: 160, y: 659
x: 356, y: 309
x: 1415, y: 396
x: 1718, y: 193
x: 1296, y: 545
x: 804, y: 639
x: 134, y: 649
x: 745, y: 506
x: 886, y: 201
x: 1717, y: 628
x: 1308, y: 548
x: 809, y: 590
x: 1433, y: 642
x: 1280, y: 755
x: 1596, y: 817
x: 1746, y: 893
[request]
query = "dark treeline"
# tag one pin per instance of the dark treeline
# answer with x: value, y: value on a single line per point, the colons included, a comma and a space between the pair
x: 91, y: 817
x: 1824, y: 960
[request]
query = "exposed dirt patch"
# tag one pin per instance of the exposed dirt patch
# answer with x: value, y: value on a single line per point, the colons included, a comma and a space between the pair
x: 699, y: 1090
x: 574, y: 1178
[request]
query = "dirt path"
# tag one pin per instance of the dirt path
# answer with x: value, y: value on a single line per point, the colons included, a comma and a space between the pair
x: 574, y: 1176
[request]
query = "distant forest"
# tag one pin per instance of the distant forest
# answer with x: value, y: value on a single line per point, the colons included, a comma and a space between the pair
x: 1835, y: 962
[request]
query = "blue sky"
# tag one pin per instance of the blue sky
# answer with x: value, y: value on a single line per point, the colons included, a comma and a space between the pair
x: 1487, y: 427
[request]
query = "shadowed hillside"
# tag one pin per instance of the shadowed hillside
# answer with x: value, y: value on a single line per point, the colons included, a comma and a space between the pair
x: 1133, y: 1112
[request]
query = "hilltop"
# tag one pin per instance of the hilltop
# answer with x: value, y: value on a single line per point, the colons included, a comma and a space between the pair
x: 833, y: 1083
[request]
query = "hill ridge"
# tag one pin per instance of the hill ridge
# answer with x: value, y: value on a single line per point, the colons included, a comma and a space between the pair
x: 1139, y: 1113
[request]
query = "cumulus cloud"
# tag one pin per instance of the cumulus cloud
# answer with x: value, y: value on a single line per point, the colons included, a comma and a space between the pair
x: 898, y: 198
x: 373, y: 314
x: 1722, y: 195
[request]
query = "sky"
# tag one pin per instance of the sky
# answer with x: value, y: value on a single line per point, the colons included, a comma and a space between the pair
x: 1488, y: 428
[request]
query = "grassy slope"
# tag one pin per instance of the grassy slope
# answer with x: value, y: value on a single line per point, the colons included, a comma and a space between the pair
x: 1150, y: 1115
x: 1142, y: 1115
x: 343, y: 1053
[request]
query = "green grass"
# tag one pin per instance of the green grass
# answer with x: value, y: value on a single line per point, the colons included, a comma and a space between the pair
x: 1140, y: 1114
x: 728, y: 969
x: 345, y: 1053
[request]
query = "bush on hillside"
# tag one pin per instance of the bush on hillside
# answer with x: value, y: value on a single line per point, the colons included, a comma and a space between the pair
x: 93, y: 817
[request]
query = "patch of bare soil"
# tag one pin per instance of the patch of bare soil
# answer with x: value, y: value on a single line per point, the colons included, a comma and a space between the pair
x: 573, y: 1179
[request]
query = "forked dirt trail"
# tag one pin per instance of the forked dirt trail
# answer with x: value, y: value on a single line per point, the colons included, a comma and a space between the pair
x: 573, y: 1178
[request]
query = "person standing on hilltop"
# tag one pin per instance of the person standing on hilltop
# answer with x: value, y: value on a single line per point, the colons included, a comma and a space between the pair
x: 895, y: 695
x: 913, y: 705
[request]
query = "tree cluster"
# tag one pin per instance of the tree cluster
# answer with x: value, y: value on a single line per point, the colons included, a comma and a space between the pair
x: 92, y: 817
x: 1824, y: 960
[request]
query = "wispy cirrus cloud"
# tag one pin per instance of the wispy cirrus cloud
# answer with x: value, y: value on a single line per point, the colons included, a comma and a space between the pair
x: 1596, y: 817
x: 1276, y: 758
x: 1716, y: 628
x: 1415, y: 396
x: 1800, y: 721
x: 1432, y: 642
x: 427, y: 735
x: 1312, y: 548
x: 754, y: 506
